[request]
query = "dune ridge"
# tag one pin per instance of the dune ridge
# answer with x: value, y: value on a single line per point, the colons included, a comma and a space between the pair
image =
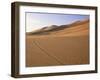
x: 75, y: 27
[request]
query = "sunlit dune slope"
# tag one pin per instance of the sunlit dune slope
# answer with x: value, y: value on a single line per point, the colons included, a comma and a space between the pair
x: 73, y: 29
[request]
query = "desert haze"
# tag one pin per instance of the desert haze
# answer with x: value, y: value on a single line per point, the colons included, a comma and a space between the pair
x: 58, y: 45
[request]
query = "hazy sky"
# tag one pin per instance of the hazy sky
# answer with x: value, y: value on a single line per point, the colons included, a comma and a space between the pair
x: 35, y: 21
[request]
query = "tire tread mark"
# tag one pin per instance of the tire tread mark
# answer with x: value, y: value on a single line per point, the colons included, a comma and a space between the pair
x: 44, y: 51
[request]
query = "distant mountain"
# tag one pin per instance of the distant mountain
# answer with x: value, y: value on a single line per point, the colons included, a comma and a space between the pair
x: 54, y: 29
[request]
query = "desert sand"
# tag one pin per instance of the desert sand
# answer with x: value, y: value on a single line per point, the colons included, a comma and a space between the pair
x: 68, y: 45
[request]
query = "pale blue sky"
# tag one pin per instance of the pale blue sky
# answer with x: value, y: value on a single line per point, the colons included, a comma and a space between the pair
x: 35, y: 21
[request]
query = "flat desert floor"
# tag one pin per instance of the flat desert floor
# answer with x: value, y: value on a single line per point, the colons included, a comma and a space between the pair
x: 69, y: 46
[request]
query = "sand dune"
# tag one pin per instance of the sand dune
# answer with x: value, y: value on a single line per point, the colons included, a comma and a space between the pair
x: 59, y: 46
x: 62, y: 29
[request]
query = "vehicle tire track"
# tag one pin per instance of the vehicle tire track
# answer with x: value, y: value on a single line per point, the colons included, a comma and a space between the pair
x: 44, y: 51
